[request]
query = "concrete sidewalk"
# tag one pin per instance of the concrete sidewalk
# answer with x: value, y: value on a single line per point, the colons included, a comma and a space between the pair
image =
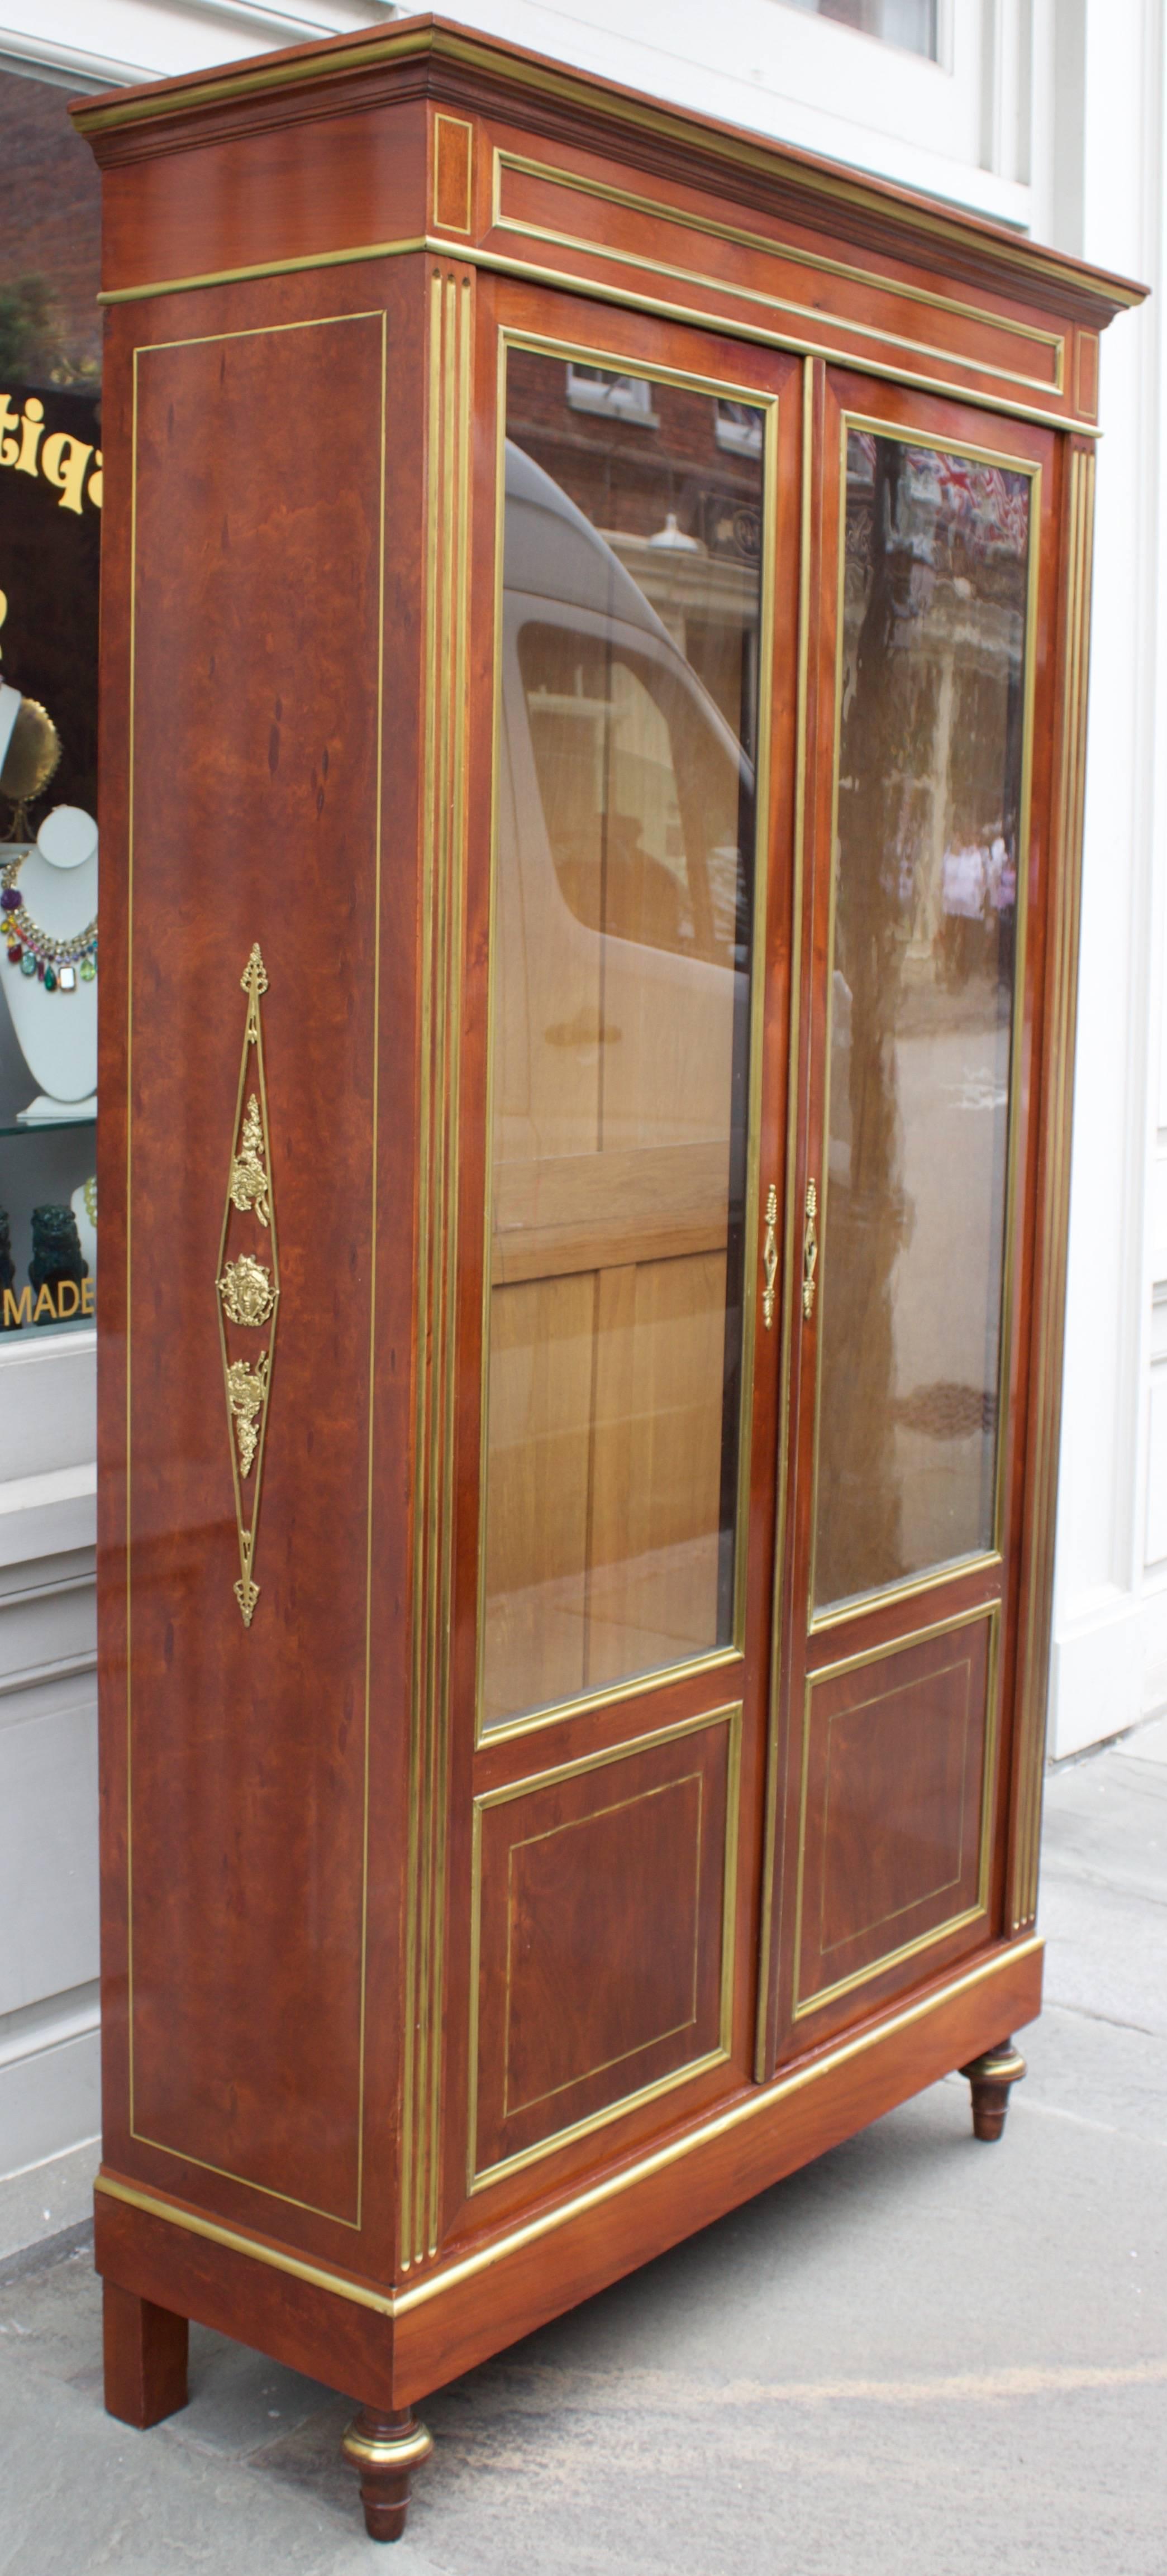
x: 918, y: 2357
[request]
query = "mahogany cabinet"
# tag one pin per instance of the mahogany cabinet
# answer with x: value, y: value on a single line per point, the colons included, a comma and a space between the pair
x: 594, y: 661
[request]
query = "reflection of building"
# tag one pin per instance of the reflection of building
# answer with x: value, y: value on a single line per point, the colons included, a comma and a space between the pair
x: 677, y: 499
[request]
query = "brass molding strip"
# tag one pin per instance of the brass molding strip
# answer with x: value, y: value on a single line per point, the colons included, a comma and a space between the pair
x: 793, y: 1110
x: 662, y: 211
x: 665, y: 1675
x: 303, y: 262
x: 927, y: 1576
x: 191, y: 2221
x: 865, y: 1605
x: 1021, y: 1894
x: 568, y: 281
x: 444, y: 826
x: 528, y: 71
x: 750, y: 2106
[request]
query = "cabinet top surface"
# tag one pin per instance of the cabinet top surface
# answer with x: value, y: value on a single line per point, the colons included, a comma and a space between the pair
x: 433, y: 58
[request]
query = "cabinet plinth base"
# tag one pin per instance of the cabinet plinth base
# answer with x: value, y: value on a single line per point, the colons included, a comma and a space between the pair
x: 991, y: 2077
x: 386, y: 2449
x: 145, y: 2358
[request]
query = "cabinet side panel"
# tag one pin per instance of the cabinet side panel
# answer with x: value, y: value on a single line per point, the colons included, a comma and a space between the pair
x: 258, y: 472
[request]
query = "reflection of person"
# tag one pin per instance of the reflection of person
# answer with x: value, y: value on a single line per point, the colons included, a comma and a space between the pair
x: 1002, y: 875
x: 963, y: 886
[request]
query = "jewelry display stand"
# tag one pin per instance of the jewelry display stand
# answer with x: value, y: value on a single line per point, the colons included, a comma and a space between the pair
x: 55, y: 1022
x: 584, y: 1239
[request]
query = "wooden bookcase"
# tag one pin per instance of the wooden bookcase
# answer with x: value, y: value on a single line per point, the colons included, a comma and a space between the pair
x: 594, y: 657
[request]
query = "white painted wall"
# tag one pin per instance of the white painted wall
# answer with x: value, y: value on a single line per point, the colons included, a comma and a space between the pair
x: 1048, y: 114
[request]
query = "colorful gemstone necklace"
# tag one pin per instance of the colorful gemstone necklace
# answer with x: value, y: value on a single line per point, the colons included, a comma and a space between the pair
x: 57, y: 962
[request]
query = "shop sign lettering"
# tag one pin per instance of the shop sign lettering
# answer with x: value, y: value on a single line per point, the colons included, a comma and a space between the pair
x: 62, y: 460
x: 53, y: 1305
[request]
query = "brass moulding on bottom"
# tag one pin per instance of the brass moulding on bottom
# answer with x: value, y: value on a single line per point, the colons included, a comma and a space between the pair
x: 405, y: 2452
x: 755, y: 2103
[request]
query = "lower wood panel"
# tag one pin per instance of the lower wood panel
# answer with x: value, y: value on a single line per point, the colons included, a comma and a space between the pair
x: 603, y: 1931
x: 897, y: 1764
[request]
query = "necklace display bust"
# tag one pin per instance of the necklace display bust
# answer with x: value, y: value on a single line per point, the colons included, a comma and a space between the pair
x: 55, y: 1020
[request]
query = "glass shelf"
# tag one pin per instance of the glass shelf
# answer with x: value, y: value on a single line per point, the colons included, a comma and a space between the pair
x: 46, y: 1126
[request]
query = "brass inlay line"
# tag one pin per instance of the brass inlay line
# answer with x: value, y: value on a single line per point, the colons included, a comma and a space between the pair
x: 294, y: 266
x: 479, y: 2177
x: 574, y: 1824
x: 444, y: 820
x: 989, y: 1614
x: 810, y: 369
x: 1066, y: 873
x: 445, y: 128
x: 874, y: 281
x: 239, y: 1165
x: 763, y: 2098
x: 856, y: 1708
x: 861, y: 1605
x: 628, y: 299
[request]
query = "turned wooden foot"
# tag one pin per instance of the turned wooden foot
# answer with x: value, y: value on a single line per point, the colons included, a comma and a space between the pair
x: 145, y: 2358
x: 990, y: 2077
x: 385, y: 2449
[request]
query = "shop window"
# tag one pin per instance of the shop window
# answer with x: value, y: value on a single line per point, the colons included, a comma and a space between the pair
x: 739, y: 428
x: 50, y: 520
x: 599, y: 389
x: 910, y: 24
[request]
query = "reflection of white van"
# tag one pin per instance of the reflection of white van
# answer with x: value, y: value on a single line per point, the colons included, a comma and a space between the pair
x: 623, y: 800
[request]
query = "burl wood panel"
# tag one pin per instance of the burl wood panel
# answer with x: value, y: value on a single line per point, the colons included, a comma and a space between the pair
x: 601, y: 1933
x: 255, y: 780
x: 895, y: 1759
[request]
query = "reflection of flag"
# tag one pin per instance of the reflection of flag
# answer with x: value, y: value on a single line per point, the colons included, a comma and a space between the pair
x: 990, y: 505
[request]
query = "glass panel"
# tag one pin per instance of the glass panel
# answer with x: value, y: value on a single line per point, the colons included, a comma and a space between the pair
x: 929, y: 814
x: 50, y: 518
x: 910, y: 24
x: 619, y: 1034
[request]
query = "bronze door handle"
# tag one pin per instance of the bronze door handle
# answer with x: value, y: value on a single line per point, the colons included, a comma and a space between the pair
x: 810, y: 1250
x: 770, y: 1256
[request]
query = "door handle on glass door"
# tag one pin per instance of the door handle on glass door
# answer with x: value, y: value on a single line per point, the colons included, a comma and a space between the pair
x: 810, y: 1249
x: 770, y: 1256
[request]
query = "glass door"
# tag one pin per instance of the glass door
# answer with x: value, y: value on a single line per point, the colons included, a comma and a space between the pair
x: 929, y: 844
x: 647, y: 583
x: 622, y: 986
